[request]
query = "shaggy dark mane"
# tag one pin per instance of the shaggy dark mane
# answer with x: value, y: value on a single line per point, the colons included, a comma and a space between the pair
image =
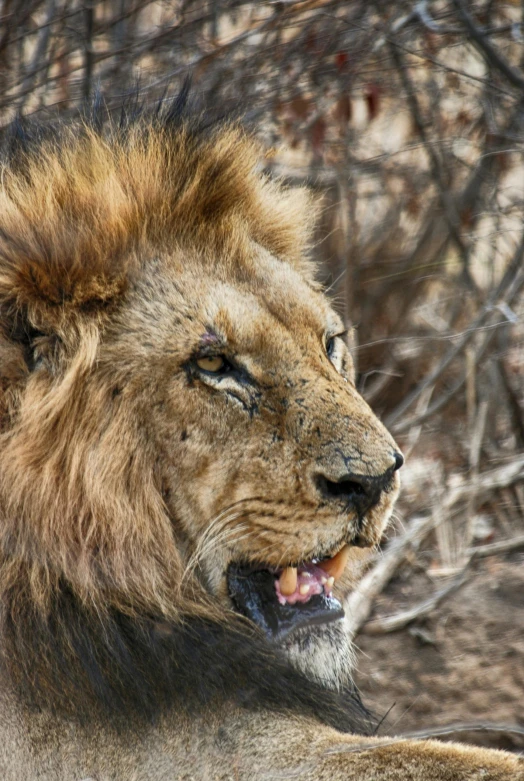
x: 134, y: 667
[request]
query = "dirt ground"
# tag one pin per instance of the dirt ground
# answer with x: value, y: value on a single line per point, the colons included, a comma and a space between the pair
x: 463, y: 664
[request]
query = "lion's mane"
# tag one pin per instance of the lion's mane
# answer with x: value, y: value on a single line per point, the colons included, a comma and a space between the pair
x: 95, y: 610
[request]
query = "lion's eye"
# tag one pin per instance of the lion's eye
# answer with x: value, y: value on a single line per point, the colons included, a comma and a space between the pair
x: 216, y: 364
x: 330, y: 346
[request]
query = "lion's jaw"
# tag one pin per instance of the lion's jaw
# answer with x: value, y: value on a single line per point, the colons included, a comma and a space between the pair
x: 244, y: 455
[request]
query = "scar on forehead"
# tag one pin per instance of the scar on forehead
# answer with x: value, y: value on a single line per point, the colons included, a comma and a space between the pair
x: 209, y: 338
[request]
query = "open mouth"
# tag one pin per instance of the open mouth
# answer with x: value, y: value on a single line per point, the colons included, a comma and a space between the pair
x: 283, y: 600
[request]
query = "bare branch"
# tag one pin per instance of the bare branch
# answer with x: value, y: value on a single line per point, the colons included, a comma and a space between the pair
x: 512, y: 281
x: 491, y: 55
x: 382, y: 626
x: 360, y: 602
x: 459, y: 729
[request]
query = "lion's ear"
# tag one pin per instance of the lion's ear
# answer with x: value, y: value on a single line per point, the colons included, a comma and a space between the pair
x: 46, y: 302
x: 50, y: 300
x: 40, y: 278
x: 68, y: 227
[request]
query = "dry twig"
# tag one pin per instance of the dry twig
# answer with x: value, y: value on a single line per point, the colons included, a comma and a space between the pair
x: 360, y: 602
x: 382, y: 626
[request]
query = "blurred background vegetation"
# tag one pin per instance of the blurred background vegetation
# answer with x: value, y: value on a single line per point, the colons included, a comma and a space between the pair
x: 407, y: 119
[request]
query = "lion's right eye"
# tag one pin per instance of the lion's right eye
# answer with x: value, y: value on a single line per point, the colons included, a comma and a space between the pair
x: 216, y: 364
x: 330, y: 346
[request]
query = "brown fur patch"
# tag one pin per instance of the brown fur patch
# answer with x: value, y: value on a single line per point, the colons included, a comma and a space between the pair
x: 76, y: 212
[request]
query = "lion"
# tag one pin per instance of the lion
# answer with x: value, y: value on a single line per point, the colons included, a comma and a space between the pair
x: 190, y: 483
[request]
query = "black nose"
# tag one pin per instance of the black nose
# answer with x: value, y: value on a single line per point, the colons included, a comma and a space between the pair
x: 358, y: 492
x: 399, y: 460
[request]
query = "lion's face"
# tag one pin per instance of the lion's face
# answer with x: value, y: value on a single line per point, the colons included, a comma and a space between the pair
x: 179, y: 425
x: 271, y: 463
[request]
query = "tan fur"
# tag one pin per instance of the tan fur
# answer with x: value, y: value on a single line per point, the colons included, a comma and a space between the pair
x: 130, y: 482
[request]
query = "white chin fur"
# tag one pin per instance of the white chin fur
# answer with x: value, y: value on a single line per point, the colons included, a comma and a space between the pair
x: 323, y: 653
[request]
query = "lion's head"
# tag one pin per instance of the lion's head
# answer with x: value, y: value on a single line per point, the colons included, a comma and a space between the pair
x: 182, y: 445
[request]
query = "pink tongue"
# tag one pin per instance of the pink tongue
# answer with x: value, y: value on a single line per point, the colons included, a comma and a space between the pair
x: 308, y: 575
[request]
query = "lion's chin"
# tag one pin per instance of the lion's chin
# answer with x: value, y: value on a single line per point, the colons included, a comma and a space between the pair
x: 256, y: 593
x: 323, y: 653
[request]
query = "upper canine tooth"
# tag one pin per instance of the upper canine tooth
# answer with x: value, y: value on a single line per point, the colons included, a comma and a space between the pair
x: 336, y: 566
x: 288, y: 581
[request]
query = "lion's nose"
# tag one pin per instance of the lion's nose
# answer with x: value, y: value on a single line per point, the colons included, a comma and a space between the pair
x: 399, y: 460
x: 358, y: 492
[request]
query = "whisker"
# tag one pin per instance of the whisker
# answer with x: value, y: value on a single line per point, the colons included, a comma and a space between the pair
x: 205, y: 543
x: 217, y: 531
x: 226, y: 528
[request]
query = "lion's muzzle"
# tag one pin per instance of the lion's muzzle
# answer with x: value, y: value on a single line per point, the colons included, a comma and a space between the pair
x: 356, y: 491
x: 281, y: 600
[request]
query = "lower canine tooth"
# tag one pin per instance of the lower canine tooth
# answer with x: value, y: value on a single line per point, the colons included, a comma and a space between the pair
x: 288, y: 581
x: 335, y: 567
